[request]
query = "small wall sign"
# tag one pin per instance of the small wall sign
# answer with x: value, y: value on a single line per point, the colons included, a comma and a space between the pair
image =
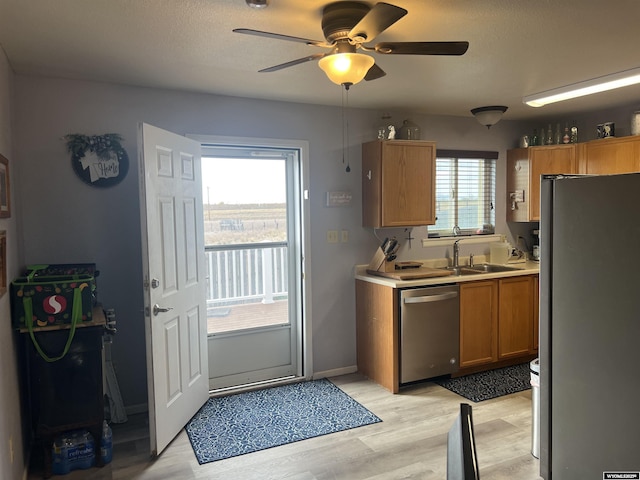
x: 338, y: 199
x: 99, y: 160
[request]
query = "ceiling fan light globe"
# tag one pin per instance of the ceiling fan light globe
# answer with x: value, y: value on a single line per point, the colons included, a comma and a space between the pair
x: 346, y: 68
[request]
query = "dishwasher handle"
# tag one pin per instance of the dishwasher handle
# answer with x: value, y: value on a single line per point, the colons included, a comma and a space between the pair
x: 431, y: 298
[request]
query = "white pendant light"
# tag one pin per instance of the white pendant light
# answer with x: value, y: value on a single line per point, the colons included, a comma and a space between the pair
x: 489, y: 116
x: 588, y: 87
x: 346, y: 68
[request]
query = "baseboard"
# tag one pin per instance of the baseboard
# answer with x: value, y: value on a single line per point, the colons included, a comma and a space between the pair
x: 134, y: 409
x: 335, y: 372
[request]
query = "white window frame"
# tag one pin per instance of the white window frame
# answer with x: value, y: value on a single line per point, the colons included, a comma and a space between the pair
x: 487, y: 184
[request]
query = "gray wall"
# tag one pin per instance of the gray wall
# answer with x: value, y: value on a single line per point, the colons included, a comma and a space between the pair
x: 65, y: 220
x: 11, y: 437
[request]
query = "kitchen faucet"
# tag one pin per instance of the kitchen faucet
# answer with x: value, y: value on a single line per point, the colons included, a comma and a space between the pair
x: 456, y: 253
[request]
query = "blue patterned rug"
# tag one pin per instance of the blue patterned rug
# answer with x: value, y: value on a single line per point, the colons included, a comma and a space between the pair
x: 491, y: 384
x: 247, y: 422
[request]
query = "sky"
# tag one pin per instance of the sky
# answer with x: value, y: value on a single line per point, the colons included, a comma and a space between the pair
x: 242, y: 181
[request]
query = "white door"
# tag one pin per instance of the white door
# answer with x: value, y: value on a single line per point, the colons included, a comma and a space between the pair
x: 174, y: 281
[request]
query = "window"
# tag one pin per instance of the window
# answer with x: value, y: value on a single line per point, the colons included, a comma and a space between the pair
x: 465, y: 192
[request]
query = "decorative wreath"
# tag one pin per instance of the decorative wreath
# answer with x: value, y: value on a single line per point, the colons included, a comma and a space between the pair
x: 99, y: 160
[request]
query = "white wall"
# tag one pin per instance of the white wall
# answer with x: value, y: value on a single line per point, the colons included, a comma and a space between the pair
x: 66, y: 220
x: 11, y: 435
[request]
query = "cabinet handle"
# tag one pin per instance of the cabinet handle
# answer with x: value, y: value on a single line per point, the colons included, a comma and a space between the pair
x: 369, y: 174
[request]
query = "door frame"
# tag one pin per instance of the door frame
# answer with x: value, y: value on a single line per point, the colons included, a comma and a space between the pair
x: 305, y: 355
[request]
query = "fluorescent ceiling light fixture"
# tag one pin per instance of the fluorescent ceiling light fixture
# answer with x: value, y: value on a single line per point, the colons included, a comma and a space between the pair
x: 588, y: 87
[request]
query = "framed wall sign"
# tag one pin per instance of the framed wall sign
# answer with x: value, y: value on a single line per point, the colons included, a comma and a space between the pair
x: 5, y: 191
x: 98, y: 160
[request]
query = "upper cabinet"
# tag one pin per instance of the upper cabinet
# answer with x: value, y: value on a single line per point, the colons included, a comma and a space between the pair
x: 398, y: 183
x: 524, y: 167
x: 606, y: 156
x: 610, y: 156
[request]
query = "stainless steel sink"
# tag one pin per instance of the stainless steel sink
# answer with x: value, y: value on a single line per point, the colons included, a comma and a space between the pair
x: 489, y: 268
x: 479, y: 269
x: 459, y: 271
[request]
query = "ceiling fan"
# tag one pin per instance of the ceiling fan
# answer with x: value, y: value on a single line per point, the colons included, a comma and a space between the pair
x: 348, y: 27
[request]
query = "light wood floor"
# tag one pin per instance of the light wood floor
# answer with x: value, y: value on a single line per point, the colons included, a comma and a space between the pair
x: 409, y: 443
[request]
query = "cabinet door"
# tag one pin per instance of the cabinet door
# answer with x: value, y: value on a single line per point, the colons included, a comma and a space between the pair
x: 548, y: 160
x: 611, y: 156
x: 478, y: 322
x: 408, y: 184
x: 515, y: 325
x: 536, y: 313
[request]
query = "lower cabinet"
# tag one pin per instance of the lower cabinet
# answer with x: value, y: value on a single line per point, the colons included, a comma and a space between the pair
x: 478, y: 323
x: 498, y: 320
x: 377, y: 330
x: 536, y: 313
x: 498, y: 325
x: 515, y: 317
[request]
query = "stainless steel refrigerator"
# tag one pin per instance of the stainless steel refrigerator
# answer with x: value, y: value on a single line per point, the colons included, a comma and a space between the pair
x: 590, y: 327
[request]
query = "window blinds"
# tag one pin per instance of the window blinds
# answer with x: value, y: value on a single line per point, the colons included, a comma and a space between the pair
x: 465, y: 191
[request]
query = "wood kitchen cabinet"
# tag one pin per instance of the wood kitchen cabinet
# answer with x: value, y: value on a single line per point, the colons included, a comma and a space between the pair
x: 536, y: 313
x: 398, y: 183
x: 478, y: 323
x: 377, y: 334
x: 524, y: 167
x: 498, y: 326
x: 515, y: 314
x: 609, y: 156
x: 497, y: 320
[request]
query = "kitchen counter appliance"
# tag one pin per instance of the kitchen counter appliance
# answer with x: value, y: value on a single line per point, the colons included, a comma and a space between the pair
x: 429, y: 332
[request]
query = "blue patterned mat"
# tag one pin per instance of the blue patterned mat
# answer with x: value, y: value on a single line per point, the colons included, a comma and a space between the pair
x: 247, y: 422
x: 482, y: 386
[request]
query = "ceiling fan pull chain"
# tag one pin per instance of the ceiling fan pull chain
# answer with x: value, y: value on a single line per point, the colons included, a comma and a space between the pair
x: 345, y: 126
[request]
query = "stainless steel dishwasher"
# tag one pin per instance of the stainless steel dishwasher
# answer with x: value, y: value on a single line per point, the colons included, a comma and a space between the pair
x: 429, y: 332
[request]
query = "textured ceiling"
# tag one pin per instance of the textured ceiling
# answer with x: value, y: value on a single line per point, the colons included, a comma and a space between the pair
x: 516, y: 48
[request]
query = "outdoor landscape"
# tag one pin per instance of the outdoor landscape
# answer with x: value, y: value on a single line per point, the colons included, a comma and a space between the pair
x: 232, y: 224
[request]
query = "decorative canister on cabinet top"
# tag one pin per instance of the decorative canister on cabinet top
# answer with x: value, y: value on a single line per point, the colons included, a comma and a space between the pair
x: 635, y: 123
x: 409, y: 131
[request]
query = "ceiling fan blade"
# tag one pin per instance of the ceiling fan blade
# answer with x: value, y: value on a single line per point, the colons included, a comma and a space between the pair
x: 379, y: 18
x: 374, y: 72
x: 292, y: 63
x: 279, y: 36
x: 423, y: 48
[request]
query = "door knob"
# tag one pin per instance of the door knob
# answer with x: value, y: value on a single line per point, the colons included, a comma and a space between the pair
x: 157, y: 309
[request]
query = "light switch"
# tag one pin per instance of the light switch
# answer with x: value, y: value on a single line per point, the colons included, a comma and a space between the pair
x: 332, y: 236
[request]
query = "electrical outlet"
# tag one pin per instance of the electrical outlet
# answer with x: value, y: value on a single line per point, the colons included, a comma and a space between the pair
x: 345, y: 236
x: 332, y: 236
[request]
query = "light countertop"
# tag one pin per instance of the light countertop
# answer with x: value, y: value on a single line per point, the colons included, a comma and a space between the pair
x: 524, y: 268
